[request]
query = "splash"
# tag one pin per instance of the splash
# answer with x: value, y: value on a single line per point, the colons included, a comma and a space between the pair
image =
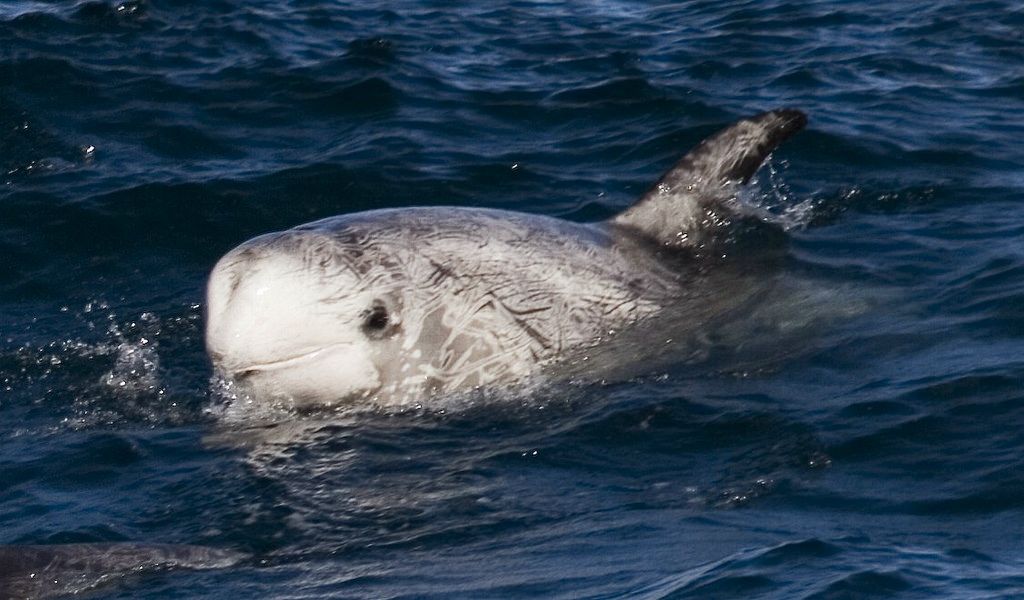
x: 115, y: 375
x: 770, y: 198
x: 137, y: 364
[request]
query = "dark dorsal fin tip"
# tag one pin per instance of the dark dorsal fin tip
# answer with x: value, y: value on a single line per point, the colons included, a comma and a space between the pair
x: 780, y: 125
x: 675, y: 207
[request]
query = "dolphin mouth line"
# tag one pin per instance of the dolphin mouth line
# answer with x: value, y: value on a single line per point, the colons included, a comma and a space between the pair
x: 284, y: 363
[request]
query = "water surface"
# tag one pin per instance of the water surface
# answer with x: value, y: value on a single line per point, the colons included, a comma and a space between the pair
x: 140, y: 141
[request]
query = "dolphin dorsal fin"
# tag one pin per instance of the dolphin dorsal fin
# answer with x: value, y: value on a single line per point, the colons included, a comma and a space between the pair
x: 693, y: 192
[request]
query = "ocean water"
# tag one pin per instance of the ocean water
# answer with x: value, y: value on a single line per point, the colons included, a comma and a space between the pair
x: 879, y: 453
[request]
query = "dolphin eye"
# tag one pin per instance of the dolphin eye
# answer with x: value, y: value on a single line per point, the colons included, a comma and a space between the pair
x: 376, y: 321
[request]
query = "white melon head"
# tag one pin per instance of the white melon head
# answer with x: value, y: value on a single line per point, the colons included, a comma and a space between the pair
x: 298, y: 317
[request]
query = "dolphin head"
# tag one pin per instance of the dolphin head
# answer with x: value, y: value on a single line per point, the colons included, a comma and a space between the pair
x: 300, y: 316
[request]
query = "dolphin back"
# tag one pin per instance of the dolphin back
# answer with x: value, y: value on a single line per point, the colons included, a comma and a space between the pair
x: 46, y: 571
x: 695, y: 192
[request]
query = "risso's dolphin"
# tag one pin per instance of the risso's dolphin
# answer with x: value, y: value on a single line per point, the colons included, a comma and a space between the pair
x: 397, y: 306
x: 57, y: 570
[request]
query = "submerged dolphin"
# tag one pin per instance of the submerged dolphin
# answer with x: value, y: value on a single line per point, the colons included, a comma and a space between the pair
x: 47, y: 571
x: 399, y: 305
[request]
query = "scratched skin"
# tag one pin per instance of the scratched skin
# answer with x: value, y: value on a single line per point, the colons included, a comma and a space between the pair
x: 474, y: 296
x: 400, y: 305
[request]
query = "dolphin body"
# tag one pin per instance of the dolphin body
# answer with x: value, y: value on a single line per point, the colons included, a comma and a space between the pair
x: 49, y: 571
x: 397, y: 306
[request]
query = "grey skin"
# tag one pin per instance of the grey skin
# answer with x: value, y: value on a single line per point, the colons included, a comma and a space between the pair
x: 399, y: 306
x: 48, y: 571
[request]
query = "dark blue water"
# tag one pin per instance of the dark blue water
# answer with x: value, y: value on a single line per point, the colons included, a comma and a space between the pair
x: 884, y: 457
